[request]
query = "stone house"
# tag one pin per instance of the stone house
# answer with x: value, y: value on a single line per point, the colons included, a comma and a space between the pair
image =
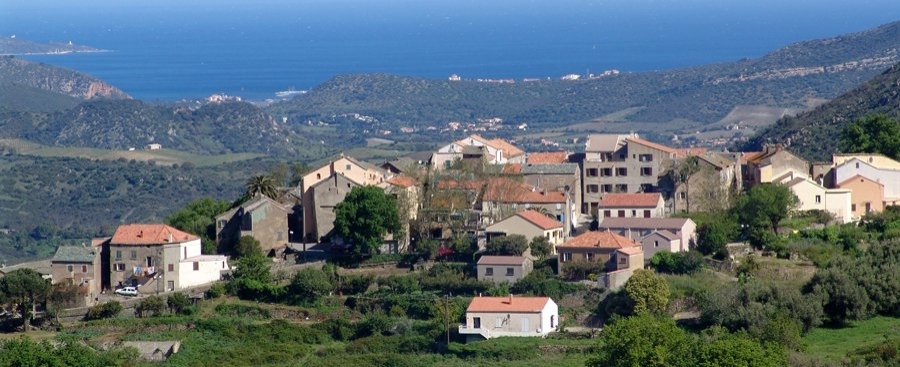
x: 637, y: 228
x: 716, y: 181
x: 500, y: 269
x: 406, y: 192
x: 638, y: 205
x: 530, y: 224
x: 264, y: 219
x: 623, y: 164
x: 558, y: 177
x: 610, y: 251
x: 80, y: 266
x: 341, y: 173
x: 492, y: 317
x: 158, y: 258
x: 770, y: 164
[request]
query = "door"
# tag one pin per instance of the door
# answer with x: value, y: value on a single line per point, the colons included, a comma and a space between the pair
x: 477, y: 323
x: 525, y: 327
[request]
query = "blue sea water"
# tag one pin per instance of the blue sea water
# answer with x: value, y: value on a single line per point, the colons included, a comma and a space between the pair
x: 168, y: 50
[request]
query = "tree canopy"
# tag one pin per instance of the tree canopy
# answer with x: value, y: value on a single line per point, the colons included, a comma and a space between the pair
x: 872, y: 134
x: 763, y: 208
x: 648, y: 292
x: 365, y: 216
x: 512, y: 245
x: 24, y: 288
x: 198, y: 218
x: 261, y: 185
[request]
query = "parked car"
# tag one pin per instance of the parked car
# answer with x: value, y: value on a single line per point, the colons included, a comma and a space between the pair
x: 127, y: 291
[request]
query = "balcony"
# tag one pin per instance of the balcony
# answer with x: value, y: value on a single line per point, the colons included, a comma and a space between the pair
x: 464, y: 330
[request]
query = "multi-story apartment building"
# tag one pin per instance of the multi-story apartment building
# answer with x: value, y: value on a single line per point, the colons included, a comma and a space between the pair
x: 622, y: 164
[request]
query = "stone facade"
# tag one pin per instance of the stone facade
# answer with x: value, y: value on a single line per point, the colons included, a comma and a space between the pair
x: 325, y: 196
x: 264, y: 219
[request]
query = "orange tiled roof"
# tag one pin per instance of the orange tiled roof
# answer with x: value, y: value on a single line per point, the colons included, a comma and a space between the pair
x: 149, y: 234
x: 600, y: 239
x: 748, y: 157
x: 540, y: 220
x: 512, y: 168
x: 547, y: 157
x: 641, y: 200
x: 689, y: 152
x: 504, y: 190
x: 402, y: 181
x: 508, y: 149
x: 653, y: 145
x: 631, y: 250
x: 507, y: 304
x: 95, y: 242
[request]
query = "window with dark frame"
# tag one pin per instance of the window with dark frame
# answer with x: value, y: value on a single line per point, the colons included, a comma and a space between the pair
x: 488, y: 272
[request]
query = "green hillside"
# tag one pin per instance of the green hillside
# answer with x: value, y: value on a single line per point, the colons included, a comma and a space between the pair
x: 815, y: 134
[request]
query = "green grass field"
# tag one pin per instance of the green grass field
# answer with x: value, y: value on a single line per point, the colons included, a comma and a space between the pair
x: 163, y: 156
x: 836, y: 343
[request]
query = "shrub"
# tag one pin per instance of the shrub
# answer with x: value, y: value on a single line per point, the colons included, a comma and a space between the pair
x: 677, y: 263
x: 216, y: 290
x: 104, y: 311
x: 150, y: 306
x: 179, y: 303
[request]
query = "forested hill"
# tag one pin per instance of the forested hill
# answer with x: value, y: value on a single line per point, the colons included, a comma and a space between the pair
x: 788, y: 77
x: 22, y: 73
x: 814, y: 135
x: 210, y: 128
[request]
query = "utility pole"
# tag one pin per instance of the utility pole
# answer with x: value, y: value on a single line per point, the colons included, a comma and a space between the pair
x: 447, y: 318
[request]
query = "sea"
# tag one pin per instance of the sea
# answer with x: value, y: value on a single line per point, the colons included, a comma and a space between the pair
x: 167, y: 50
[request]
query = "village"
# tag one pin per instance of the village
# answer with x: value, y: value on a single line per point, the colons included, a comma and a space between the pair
x: 601, y: 216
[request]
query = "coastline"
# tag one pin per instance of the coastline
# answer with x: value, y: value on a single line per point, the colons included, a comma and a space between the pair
x: 67, y: 52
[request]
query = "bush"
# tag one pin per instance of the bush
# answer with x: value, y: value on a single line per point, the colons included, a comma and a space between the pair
x: 104, y: 311
x: 216, y: 290
x: 677, y: 263
x: 150, y: 306
x: 179, y: 303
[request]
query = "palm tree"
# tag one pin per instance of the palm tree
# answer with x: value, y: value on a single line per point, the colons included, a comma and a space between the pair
x: 261, y: 185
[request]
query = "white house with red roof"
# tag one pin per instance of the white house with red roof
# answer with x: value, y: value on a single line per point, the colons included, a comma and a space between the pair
x: 640, y: 205
x: 531, y: 224
x: 492, y: 317
x: 158, y: 258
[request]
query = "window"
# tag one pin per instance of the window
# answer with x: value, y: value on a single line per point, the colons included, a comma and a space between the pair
x: 621, y: 171
x: 592, y: 172
x: 171, y: 267
x: 623, y: 260
x: 655, y: 243
x: 645, y: 157
x: 318, y: 176
x: 348, y: 167
x: 119, y: 267
x: 84, y: 268
x: 510, y: 272
x: 818, y: 199
x: 118, y: 255
x: 621, y: 214
x: 857, y: 165
x: 606, y: 214
x: 552, y: 321
x: 868, y: 207
x: 589, y: 256
x: 646, y: 214
x: 634, y: 213
x: 606, y: 188
x: 488, y: 272
x: 606, y: 172
x: 222, y: 224
x: 170, y: 285
x: 682, y: 195
x: 646, y: 171
x: 196, y: 265
x: 593, y: 189
x: 621, y: 188
x: 133, y: 255
x: 566, y: 256
x: 70, y: 268
x: 852, y: 207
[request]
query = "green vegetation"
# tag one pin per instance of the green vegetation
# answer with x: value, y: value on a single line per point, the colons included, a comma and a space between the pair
x: 872, y: 134
x: 838, y: 343
x: 365, y: 216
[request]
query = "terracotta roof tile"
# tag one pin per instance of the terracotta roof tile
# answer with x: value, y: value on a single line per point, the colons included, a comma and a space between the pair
x: 149, y: 234
x: 402, y: 181
x: 631, y: 250
x: 508, y: 149
x: 504, y: 190
x: 501, y: 260
x: 643, y: 223
x: 653, y: 145
x: 600, y: 239
x: 540, y: 220
x: 547, y: 157
x: 508, y: 304
x: 640, y: 200
x: 512, y: 168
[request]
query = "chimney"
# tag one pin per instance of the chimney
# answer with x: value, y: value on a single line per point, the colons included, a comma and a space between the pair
x: 171, y: 238
x: 510, y: 298
x: 141, y: 234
